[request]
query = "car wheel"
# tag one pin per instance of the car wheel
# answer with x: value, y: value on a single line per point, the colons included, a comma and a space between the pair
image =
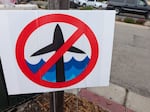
x: 100, y: 7
x: 84, y: 5
x: 118, y: 10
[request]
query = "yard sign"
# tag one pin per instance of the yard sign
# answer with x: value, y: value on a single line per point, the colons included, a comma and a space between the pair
x: 43, y: 51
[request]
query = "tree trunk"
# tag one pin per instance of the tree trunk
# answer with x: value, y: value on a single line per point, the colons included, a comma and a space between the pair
x: 64, y: 4
x: 58, y: 4
x: 53, y: 4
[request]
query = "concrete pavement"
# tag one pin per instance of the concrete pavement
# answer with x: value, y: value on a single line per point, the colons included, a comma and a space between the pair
x: 122, y: 96
x: 131, y: 58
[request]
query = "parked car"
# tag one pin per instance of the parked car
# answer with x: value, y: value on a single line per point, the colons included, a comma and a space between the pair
x: 74, y: 4
x: 139, y: 7
x: 92, y: 3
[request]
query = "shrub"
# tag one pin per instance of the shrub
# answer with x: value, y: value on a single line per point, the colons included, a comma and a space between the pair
x: 129, y: 20
x: 140, y: 21
x: 86, y: 8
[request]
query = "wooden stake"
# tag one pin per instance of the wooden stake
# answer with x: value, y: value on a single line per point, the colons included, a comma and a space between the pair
x: 57, y: 98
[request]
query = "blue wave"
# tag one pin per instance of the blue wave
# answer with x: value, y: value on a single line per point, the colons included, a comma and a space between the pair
x: 76, y: 64
x: 73, y: 68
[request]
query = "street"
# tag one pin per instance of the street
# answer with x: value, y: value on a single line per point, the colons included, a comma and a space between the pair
x: 131, y: 58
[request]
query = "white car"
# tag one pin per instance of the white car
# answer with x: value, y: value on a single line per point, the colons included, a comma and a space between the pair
x: 92, y: 3
x: 104, y: 4
x: 81, y: 2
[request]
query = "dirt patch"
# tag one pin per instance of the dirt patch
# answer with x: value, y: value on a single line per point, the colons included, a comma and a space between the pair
x: 72, y: 103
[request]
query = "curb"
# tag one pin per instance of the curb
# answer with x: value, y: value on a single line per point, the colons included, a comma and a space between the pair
x: 146, y: 23
x: 108, y: 105
x: 117, y: 99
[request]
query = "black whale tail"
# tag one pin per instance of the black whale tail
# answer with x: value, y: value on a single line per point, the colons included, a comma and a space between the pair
x: 58, y: 41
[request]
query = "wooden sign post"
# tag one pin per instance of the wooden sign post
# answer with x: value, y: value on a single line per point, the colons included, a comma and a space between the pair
x: 57, y: 98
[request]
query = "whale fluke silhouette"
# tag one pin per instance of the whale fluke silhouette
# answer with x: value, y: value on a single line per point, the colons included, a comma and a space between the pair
x: 58, y: 41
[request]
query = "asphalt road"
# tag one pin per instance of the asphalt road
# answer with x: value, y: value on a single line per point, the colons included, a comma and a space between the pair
x: 131, y: 58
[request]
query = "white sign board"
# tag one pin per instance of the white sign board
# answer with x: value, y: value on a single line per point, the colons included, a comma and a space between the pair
x: 43, y: 51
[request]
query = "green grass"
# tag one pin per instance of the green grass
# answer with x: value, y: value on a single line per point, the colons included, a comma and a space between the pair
x: 86, y: 8
x: 129, y: 20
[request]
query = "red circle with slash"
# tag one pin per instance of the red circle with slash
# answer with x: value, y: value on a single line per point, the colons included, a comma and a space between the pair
x: 82, y: 28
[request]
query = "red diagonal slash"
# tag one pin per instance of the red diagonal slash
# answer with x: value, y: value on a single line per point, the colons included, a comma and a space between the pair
x: 76, y: 35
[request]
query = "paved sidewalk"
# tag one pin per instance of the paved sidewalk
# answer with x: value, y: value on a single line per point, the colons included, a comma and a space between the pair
x: 106, y: 104
x: 117, y: 99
